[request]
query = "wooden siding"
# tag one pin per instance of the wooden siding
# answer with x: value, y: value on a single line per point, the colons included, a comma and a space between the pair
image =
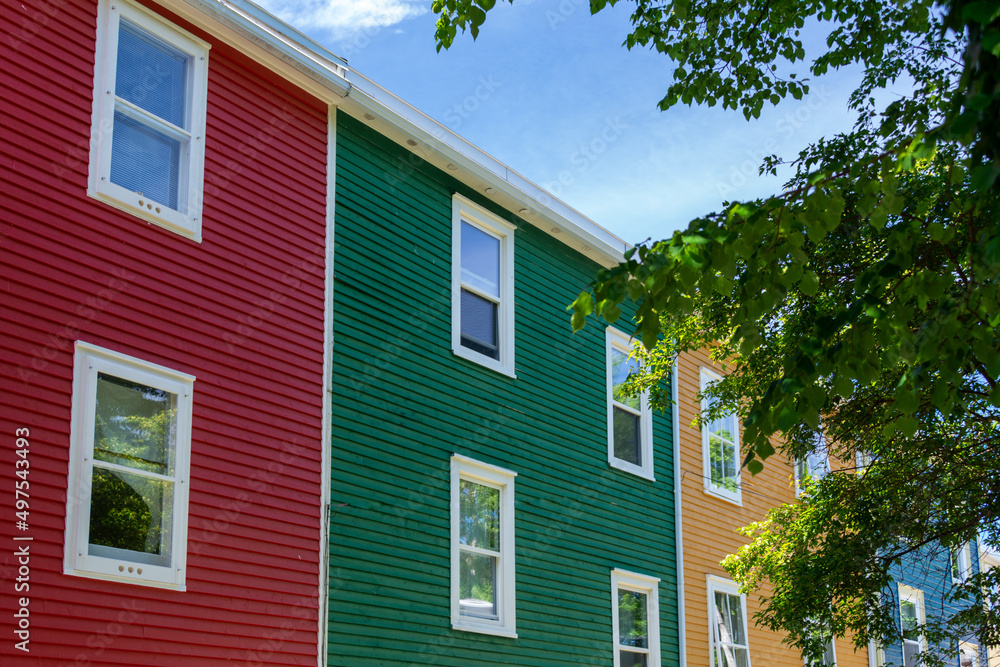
x: 404, y: 403
x: 242, y: 311
x: 710, y: 523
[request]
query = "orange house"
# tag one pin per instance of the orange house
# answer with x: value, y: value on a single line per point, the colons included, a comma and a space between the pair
x: 717, y: 498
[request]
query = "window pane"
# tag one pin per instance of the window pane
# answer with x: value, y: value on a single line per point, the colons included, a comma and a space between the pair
x: 145, y: 161
x: 911, y: 650
x: 629, y: 659
x: 479, y: 508
x: 621, y: 366
x: 722, y: 461
x: 135, y: 425
x: 909, y: 618
x: 480, y: 260
x: 151, y: 74
x: 632, y: 619
x: 479, y: 325
x: 477, y: 580
x: 627, y: 436
x: 130, y: 512
x: 739, y: 635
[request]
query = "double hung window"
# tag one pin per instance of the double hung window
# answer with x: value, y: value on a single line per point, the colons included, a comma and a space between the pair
x: 482, y: 548
x: 829, y: 657
x: 129, y: 452
x: 813, y: 466
x: 630, y: 431
x: 728, y: 624
x: 148, y: 145
x: 721, y: 447
x: 482, y: 286
x: 961, y: 563
x: 911, y: 622
x: 635, y: 615
x: 968, y: 655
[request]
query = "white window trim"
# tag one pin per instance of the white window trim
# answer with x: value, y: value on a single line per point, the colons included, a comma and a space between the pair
x: 88, y: 361
x: 619, y: 340
x: 805, y: 462
x: 500, y: 478
x: 99, y: 185
x: 833, y: 650
x: 910, y: 594
x: 876, y: 655
x: 707, y: 377
x: 467, y: 211
x: 971, y: 648
x: 724, y: 586
x: 640, y: 583
x: 963, y: 553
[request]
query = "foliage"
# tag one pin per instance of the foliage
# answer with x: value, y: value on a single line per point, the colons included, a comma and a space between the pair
x: 865, y: 297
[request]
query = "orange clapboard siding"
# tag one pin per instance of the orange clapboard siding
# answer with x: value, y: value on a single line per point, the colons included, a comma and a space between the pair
x: 709, y: 529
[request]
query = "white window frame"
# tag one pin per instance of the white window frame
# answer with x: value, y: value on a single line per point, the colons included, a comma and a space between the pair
x: 618, y: 340
x: 915, y: 595
x: 187, y: 221
x: 876, y: 655
x: 730, y: 588
x: 862, y: 460
x: 970, y: 648
x: 832, y: 642
x: 963, y: 555
x: 649, y: 586
x: 807, y: 464
x: 708, y: 377
x: 464, y: 210
x: 464, y: 468
x: 89, y: 360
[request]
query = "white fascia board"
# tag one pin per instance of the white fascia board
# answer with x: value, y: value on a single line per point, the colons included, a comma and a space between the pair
x: 485, y: 174
x: 269, y: 41
x: 303, y: 62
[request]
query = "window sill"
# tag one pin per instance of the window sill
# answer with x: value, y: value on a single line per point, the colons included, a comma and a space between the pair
x: 483, y: 630
x: 736, y: 499
x: 632, y: 469
x: 151, y: 583
x: 170, y: 220
x: 484, y: 361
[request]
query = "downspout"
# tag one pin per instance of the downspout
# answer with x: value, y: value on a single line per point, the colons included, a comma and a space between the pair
x: 678, y: 519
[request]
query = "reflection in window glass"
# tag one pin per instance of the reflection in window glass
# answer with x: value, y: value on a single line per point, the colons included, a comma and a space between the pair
x: 479, y: 553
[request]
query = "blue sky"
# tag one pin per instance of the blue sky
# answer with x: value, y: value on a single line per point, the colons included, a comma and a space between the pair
x: 549, y: 89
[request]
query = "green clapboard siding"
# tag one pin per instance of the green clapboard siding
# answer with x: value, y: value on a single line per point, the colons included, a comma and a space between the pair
x: 403, y: 404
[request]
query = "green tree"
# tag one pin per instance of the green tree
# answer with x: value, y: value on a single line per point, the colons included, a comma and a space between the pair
x: 866, y: 297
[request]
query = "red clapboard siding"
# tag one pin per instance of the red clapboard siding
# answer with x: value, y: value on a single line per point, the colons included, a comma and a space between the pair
x: 242, y: 311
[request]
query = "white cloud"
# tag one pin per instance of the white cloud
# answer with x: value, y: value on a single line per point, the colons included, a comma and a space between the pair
x: 344, y: 18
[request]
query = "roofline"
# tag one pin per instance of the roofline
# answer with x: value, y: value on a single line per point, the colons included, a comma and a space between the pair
x: 487, y: 175
x: 305, y: 63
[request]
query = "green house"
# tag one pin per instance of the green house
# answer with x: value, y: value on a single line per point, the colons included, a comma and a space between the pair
x: 493, y: 498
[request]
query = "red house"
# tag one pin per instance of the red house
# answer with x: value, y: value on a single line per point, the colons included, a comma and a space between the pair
x: 164, y: 209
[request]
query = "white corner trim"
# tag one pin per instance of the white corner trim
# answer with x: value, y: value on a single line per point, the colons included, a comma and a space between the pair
x: 326, y: 430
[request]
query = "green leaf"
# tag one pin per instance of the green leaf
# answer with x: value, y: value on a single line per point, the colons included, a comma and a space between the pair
x: 809, y: 285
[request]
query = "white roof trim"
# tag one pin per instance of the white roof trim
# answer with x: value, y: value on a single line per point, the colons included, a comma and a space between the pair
x: 305, y: 63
